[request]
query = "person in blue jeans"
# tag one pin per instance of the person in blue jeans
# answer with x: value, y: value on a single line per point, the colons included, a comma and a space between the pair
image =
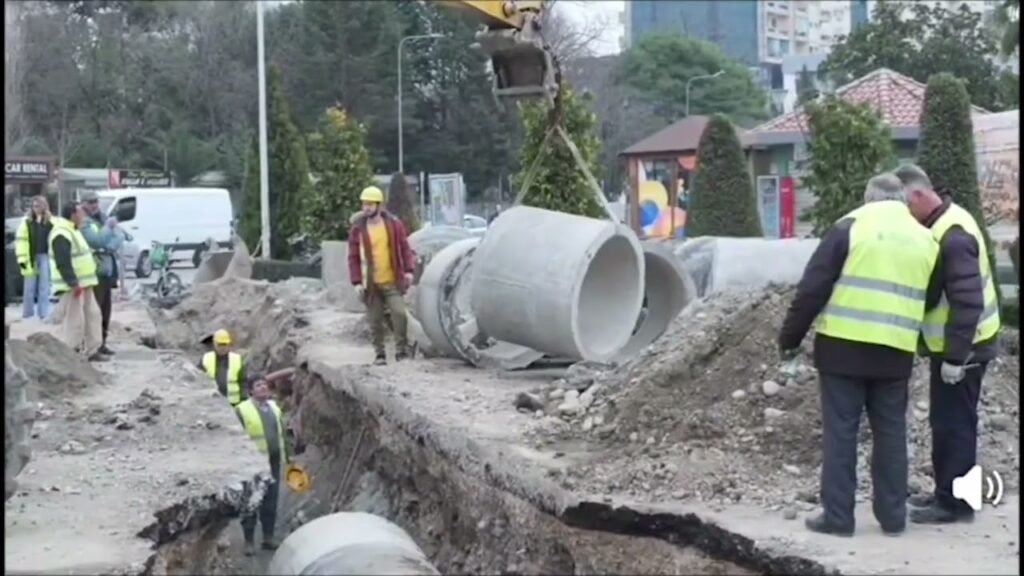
x: 31, y: 248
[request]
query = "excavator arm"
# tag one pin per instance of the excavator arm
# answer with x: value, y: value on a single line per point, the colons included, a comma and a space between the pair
x: 522, y: 62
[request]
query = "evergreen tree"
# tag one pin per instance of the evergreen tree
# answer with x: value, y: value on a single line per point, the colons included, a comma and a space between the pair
x: 400, y: 202
x: 342, y: 168
x: 559, y: 184
x: 946, y: 148
x: 849, y: 145
x: 289, y: 177
x: 722, y: 202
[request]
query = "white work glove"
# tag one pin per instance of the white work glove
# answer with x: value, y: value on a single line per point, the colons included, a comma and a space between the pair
x: 951, y: 373
x: 360, y: 290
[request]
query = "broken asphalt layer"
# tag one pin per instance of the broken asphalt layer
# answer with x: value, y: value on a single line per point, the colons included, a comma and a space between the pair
x: 465, y: 417
x: 119, y: 473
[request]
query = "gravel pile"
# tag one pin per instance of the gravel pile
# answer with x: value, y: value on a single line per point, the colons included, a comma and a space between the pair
x: 709, y: 412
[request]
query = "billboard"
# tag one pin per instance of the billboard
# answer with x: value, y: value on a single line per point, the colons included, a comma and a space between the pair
x: 447, y: 199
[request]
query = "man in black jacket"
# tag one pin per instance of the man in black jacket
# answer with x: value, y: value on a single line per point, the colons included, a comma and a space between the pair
x: 865, y: 284
x: 959, y: 336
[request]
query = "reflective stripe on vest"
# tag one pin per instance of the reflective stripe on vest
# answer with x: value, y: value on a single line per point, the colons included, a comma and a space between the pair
x: 23, y: 250
x: 880, y: 296
x: 253, y: 423
x: 934, y: 327
x: 82, y: 261
x: 234, y: 373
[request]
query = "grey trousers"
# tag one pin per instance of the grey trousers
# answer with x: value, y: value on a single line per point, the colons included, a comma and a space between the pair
x: 843, y: 399
x: 267, y: 513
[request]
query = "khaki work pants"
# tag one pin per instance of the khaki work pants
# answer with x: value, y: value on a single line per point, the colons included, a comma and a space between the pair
x: 383, y: 302
x: 82, y: 322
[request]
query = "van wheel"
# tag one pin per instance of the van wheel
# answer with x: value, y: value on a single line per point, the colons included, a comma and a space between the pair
x: 143, y: 268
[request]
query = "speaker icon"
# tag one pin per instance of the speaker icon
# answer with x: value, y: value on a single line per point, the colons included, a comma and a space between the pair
x: 969, y: 488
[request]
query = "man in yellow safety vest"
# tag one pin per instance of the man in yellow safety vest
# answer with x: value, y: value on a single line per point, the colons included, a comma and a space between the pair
x: 264, y: 423
x: 960, y: 334
x: 226, y: 368
x: 31, y: 248
x: 73, y: 270
x: 866, y: 284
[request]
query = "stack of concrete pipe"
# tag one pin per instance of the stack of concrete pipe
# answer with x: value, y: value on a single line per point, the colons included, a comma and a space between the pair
x: 546, y: 283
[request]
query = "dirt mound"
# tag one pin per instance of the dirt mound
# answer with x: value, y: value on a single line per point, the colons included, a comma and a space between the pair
x: 18, y: 418
x: 53, y: 369
x: 709, y: 411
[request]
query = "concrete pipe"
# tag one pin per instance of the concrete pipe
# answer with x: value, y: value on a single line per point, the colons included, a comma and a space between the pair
x: 668, y: 289
x: 349, y: 543
x: 563, y: 285
x: 718, y: 264
x: 431, y: 288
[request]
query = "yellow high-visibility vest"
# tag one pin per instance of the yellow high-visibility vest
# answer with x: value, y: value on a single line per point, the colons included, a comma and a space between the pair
x: 82, y: 260
x: 234, y: 374
x: 934, y: 327
x: 23, y: 250
x: 253, y: 424
x: 880, y: 296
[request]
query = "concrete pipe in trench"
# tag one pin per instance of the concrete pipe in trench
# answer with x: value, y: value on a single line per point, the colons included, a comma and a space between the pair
x: 350, y: 543
x: 668, y: 289
x: 561, y: 284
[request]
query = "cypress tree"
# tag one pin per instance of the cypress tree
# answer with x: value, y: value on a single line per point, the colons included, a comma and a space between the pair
x: 722, y: 202
x: 946, y: 148
x: 400, y: 202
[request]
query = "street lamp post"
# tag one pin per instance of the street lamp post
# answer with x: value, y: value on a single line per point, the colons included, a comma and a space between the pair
x: 401, y: 44
x: 701, y: 77
x: 264, y: 167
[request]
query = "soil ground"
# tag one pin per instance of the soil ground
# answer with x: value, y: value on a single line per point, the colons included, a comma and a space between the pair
x: 107, y: 457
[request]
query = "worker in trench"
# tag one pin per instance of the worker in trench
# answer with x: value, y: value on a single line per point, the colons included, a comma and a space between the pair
x: 264, y: 422
x: 960, y: 337
x: 381, y: 267
x: 866, y: 284
x: 73, y: 270
x: 226, y: 368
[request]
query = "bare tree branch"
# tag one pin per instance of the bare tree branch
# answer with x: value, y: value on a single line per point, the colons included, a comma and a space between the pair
x: 571, y: 40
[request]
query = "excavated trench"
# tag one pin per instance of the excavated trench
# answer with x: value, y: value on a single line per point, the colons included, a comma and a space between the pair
x: 473, y: 505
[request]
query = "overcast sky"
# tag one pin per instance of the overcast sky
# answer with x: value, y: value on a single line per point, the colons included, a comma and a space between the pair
x: 605, y: 11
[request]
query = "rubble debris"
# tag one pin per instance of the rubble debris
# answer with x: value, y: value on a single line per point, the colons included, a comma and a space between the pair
x: 713, y: 397
x: 53, y: 368
x: 19, y: 416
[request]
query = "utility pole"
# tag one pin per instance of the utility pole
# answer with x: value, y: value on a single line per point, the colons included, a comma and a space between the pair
x: 261, y: 68
x: 401, y: 43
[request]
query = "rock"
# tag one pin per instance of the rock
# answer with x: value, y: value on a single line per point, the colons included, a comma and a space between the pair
x: 773, y: 413
x: 738, y: 394
x: 633, y: 436
x: 556, y: 394
x: 588, y: 423
x: 789, y: 513
x: 72, y: 447
x: 794, y: 470
x: 770, y: 388
x: 570, y: 406
x: 1000, y: 422
x: 528, y: 402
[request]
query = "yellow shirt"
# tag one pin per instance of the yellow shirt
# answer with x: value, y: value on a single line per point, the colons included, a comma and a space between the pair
x: 380, y: 251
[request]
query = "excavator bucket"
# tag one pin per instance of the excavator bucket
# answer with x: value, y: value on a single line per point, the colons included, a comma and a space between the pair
x: 522, y: 65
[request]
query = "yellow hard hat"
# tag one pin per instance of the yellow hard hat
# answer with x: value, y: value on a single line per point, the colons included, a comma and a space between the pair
x: 371, y: 194
x: 296, y: 478
x: 222, y: 337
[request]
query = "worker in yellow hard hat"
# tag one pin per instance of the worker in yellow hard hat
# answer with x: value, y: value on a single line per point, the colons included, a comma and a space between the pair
x: 380, y: 266
x: 225, y: 367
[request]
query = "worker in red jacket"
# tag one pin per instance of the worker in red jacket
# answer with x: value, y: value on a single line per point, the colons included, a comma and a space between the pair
x: 381, y: 265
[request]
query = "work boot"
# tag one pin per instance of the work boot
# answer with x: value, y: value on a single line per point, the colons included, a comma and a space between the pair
x: 921, y: 500
x: 380, y: 360
x: 105, y: 350
x: 936, y: 514
x: 401, y: 355
x: 250, y: 549
x: 821, y: 526
x: 269, y: 543
x: 97, y: 357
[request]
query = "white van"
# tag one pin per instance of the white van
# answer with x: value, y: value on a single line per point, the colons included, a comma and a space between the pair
x: 180, y: 218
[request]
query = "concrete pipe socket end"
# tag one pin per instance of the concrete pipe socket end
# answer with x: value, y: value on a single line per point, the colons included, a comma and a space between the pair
x: 668, y: 289
x: 350, y: 543
x: 430, y: 293
x: 561, y: 284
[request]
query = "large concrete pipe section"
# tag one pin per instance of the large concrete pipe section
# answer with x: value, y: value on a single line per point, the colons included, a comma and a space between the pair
x: 564, y: 285
x: 718, y: 264
x: 668, y: 289
x: 350, y: 543
x: 430, y: 290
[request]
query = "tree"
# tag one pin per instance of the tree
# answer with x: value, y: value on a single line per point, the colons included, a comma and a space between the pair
x: 342, y: 168
x: 660, y: 65
x: 1005, y: 22
x: 849, y: 145
x: 558, y: 183
x: 289, y: 176
x: 400, y: 202
x: 722, y: 202
x: 806, y: 88
x: 946, y: 148
x: 926, y: 41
